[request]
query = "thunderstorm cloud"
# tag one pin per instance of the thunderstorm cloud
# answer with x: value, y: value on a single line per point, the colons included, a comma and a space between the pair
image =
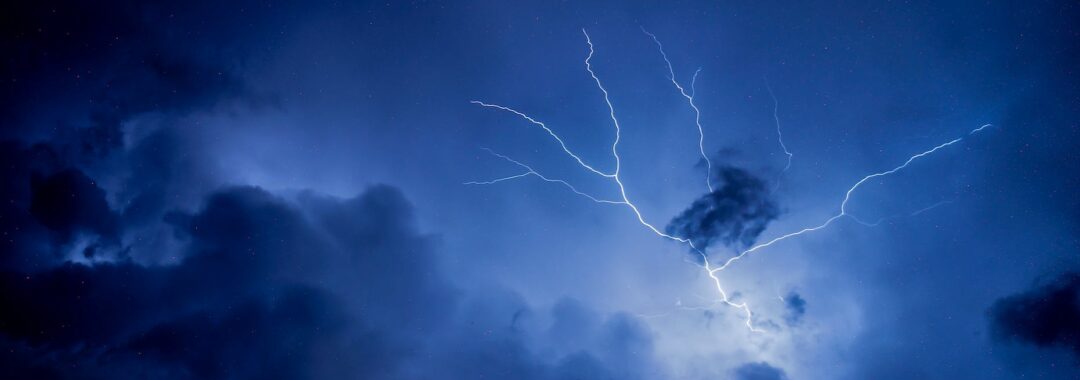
x: 126, y: 256
x: 733, y: 215
x: 796, y: 308
x: 273, y: 190
x: 1045, y: 316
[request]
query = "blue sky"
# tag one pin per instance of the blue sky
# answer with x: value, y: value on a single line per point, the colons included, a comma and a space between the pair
x: 254, y: 183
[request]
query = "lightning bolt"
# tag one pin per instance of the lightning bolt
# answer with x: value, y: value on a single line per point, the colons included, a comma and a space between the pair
x: 697, y: 113
x: 624, y: 199
x: 779, y: 135
x: 844, y: 204
x: 910, y: 214
x: 533, y: 172
x: 689, y: 99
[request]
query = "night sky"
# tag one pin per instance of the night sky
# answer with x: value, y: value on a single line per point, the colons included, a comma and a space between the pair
x: 262, y: 190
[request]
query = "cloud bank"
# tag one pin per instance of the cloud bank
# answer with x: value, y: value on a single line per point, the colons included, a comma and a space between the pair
x: 126, y: 256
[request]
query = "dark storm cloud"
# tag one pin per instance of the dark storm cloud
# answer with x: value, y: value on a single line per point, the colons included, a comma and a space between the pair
x: 68, y: 201
x: 97, y: 93
x: 312, y: 288
x: 277, y: 338
x: 102, y: 177
x: 758, y: 371
x: 244, y: 239
x: 1045, y: 316
x: 796, y: 308
x: 17, y: 166
x: 733, y: 215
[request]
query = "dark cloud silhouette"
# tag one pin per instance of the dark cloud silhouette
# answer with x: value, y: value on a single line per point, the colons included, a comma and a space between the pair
x: 126, y: 258
x: 796, y: 308
x: 758, y: 371
x: 24, y: 233
x: 311, y: 287
x: 733, y: 215
x: 99, y: 94
x: 1045, y: 316
x: 294, y: 335
x: 68, y: 201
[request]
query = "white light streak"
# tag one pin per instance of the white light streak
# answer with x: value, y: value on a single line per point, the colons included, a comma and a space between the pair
x: 910, y: 214
x: 689, y: 99
x: 779, y: 135
x: 625, y: 200
x: 843, y: 205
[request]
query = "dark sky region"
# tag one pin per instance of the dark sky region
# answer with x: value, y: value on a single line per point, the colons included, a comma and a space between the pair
x: 262, y: 190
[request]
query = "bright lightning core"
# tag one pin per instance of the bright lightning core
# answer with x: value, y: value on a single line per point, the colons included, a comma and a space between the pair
x: 613, y: 175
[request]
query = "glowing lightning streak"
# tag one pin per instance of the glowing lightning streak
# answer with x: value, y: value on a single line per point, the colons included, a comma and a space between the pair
x: 533, y: 172
x: 552, y: 133
x: 707, y: 265
x: 690, y: 99
x: 843, y: 205
x: 626, y: 199
x: 913, y: 213
x: 779, y: 134
x: 613, y: 176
